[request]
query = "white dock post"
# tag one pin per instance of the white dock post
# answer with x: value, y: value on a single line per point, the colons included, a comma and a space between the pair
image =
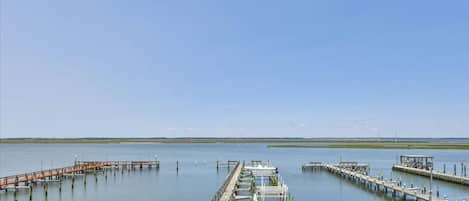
x: 431, y: 181
x: 462, y: 168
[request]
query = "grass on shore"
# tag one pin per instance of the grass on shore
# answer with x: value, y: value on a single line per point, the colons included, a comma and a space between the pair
x: 199, y: 140
x: 352, y: 143
x: 375, y: 146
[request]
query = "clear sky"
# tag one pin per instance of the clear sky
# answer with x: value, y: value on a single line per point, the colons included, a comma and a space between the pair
x: 234, y: 68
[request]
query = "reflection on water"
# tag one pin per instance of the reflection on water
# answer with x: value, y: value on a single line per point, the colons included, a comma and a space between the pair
x: 198, y: 177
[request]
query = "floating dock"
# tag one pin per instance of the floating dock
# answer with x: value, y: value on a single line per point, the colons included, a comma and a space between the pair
x: 378, y: 184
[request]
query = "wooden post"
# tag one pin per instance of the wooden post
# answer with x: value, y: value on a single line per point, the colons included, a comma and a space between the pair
x: 465, y: 170
x: 14, y: 194
x: 95, y: 174
x: 462, y: 169
x: 45, y: 189
x: 431, y: 183
x: 16, y: 183
x: 73, y: 179
x: 30, y: 192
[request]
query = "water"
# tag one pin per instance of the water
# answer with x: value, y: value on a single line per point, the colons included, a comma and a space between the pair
x: 198, y: 178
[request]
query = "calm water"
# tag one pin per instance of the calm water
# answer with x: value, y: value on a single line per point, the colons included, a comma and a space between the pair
x: 198, y: 177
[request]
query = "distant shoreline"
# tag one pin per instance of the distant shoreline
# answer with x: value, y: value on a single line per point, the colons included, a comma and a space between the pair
x: 370, y: 143
x: 446, y: 146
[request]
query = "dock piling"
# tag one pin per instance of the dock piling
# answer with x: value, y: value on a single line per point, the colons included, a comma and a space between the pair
x: 30, y: 192
x: 465, y: 170
x: 431, y: 183
x: 462, y: 169
x: 45, y: 189
x: 379, y: 184
x: 26, y: 180
x: 449, y: 176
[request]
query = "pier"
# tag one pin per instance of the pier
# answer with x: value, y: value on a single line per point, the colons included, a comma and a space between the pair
x: 226, y: 191
x: 254, y: 181
x: 349, y: 165
x: 436, y: 175
x: 378, y: 184
x: 422, y: 165
x: 110, y: 164
x: 80, y: 168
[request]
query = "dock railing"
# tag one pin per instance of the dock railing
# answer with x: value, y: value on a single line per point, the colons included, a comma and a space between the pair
x: 120, y: 163
x: 218, y: 194
x: 31, y: 176
x: 79, y: 166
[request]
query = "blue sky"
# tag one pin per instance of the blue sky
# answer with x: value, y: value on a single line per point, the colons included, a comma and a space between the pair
x: 234, y: 68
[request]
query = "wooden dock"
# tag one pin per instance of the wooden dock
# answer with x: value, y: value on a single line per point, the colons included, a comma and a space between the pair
x: 131, y: 164
x: 80, y: 167
x: 379, y: 184
x: 251, y: 182
x: 353, y: 166
x: 226, y: 191
x: 436, y: 175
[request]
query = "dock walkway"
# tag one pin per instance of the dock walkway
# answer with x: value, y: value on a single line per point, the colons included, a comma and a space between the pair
x: 436, y: 175
x: 384, y: 185
x: 376, y: 183
x: 78, y: 168
x: 226, y: 191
